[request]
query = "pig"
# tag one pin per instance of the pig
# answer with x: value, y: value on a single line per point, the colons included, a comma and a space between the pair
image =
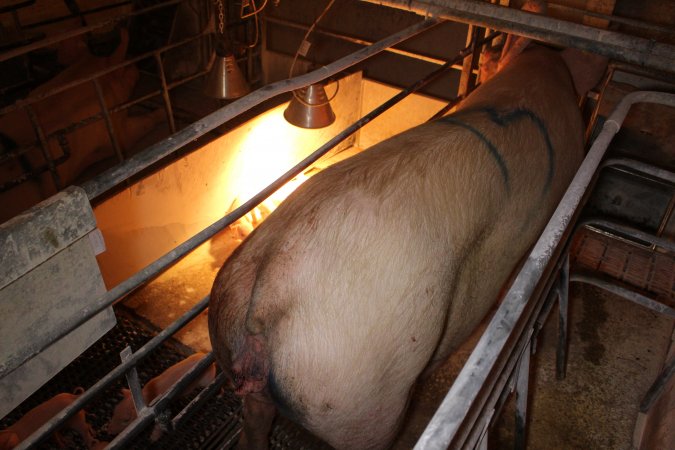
x: 89, y: 144
x: 125, y: 412
x: 38, y: 416
x: 377, y: 268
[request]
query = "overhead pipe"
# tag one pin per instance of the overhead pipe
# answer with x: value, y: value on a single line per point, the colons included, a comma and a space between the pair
x: 631, y: 49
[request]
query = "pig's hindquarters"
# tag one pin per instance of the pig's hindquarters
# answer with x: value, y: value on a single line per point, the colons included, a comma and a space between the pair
x: 384, y: 262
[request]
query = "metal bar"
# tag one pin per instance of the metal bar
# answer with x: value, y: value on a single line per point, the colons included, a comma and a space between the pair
x: 133, y: 380
x: 625, y: 293
x: 108, y: 121
x: 159, y: 404
x: 634, y: 233
x: 165, y: 93
x: 635, y: 50
x: 354, y: 40
x: 82, y: 30
x: 441, y: 112
x: 44, y: 148
x: 154, y: 153
x: 16, y: 6
x: 199, y: 400
x: 467, y: 81
x: 641, y: 167
x: 505, y: 377
x: 563, y: 308
x: 464, y: 393
x: 82, y: 13
x: 58, y: 420
x: 64, y: 87
x: 613, y: 18
x: 145, y: 158
x: 522, y: 388
x: 657, y: 387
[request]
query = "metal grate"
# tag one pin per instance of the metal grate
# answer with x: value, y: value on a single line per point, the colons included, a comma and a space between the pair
x: 213, y: 425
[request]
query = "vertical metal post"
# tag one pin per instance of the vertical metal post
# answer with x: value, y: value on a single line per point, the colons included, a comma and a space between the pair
x: 108, y: 121
x: 133, y: 381
x: 44, y: 147
x: 165, y: 93
x: 483, y: 440
x: 466, y: 81
x: 563, y: 303
x: 522, y: 388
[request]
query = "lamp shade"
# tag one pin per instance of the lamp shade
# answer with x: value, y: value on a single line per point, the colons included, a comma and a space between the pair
x: 225, y: 80
x: 310, y: 108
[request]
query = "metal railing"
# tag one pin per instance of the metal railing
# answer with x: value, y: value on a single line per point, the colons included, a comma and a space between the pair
x: 27, y: 104
x: 462, y: 417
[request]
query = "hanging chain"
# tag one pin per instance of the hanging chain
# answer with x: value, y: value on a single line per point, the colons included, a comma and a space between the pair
x: 221, y: 16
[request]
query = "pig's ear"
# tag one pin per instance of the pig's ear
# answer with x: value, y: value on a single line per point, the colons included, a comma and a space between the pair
x: 586, y: 68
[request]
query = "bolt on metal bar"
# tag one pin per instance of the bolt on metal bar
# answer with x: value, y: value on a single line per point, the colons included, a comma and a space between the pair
x: 145, y: 158
x: 463, y: 396
x: 632, y: 49
x: 154, y: 153
x: 108, y: 121
x: 59, y: 419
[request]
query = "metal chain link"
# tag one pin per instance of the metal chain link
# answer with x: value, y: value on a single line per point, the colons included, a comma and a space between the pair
x: 221, y: 16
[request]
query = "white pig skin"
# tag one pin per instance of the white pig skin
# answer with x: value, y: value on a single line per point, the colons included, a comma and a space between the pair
x: 381, y: 265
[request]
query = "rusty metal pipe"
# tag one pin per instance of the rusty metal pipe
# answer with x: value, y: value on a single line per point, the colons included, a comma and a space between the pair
x: 632, y: 49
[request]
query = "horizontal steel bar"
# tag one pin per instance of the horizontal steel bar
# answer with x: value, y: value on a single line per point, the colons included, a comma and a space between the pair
x: 91, y: 393
x: 464, y: 393
x: 608, y: 225
x: 154, y: 153
x: 613, y: 18
x: 632, y: 49
x: 623, y: 292
x: 641, y: 167
x: 353, y: 40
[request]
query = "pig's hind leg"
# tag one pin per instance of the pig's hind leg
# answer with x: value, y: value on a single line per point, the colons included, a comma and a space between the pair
x: 258, y: 415
x: 250, y: 372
